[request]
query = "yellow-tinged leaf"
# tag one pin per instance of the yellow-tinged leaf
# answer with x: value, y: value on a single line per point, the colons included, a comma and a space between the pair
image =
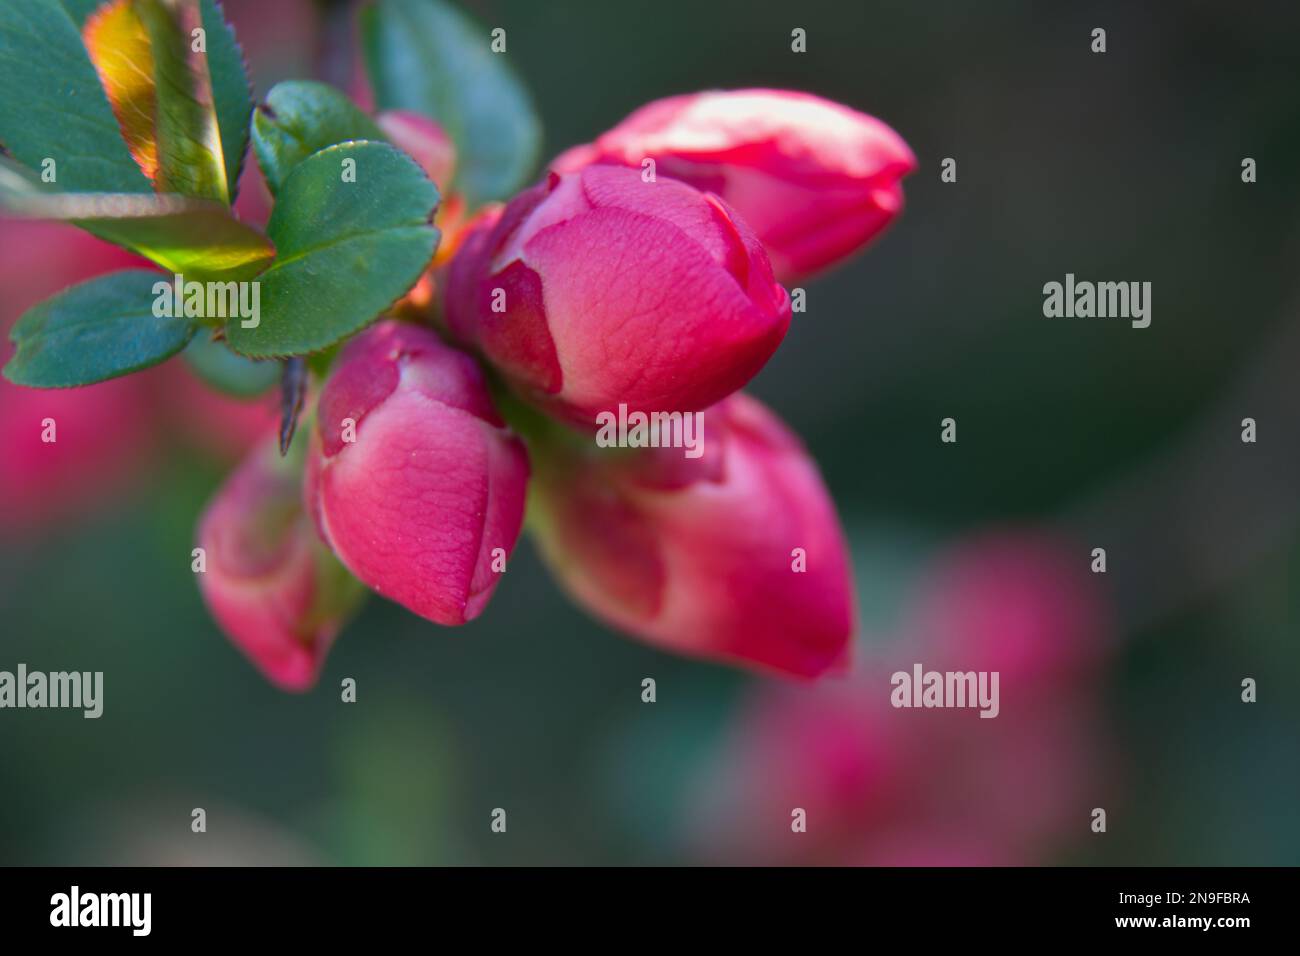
x: 160, y: 90
x: 203, y: 243
x: 195, y: 237
x: 190, y: 156
x: 119, y: 48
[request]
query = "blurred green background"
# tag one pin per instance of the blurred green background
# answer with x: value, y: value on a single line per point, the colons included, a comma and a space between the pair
x: 1121, y: 166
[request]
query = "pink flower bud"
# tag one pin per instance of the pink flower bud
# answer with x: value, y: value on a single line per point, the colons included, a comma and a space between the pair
x: 414, y: 480
x: 736, y: 555
x: 276, y: 592
x: 600, y: 288
x: 424, y: 141
x: 815, y: 180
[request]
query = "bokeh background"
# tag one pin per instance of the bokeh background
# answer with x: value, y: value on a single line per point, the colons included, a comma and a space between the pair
x: 1120, y: 691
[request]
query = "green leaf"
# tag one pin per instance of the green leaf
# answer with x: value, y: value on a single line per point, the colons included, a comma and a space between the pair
x: 299, y: 118
x: 94, y: 331
x: 425, y: 56
x: 183, y: 112
x: 80, y: 9
x: 230, y: 91
x: 201, y: 240
x: 190, y: 157
x: 347, y: 250
x: 53, y: 105
x: 230, y: 373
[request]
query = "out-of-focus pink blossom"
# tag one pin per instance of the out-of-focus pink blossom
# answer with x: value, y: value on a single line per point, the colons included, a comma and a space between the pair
x: 278, y: 594
x: 1018, y: 603
x: 414, y: 480
x: 599, y: 288
x: 815, y: 180
x: 102, y: 432
x: 102, y: 436
x: 881, y: 785
x: 737, y: 555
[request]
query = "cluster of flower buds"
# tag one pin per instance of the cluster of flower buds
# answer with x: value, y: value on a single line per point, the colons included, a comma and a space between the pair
x: 641, y: 274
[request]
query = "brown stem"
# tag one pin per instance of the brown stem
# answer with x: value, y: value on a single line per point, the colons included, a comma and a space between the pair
x: 293, y: 392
